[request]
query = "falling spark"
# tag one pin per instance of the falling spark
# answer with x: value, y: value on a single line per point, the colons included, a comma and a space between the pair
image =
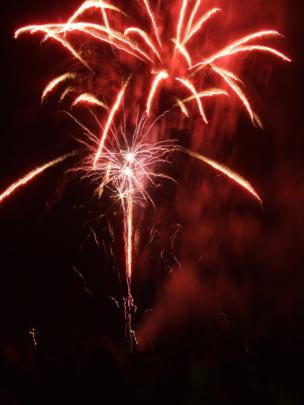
x: 201, y: 22
x: 238, y: 91
x: 145, y: 37
x: 89, y: 99
x: 182, y: 106
x: 66, y: 92
x: 84, y: 283
x: 192, y: 16
x: 158, y: 78
x: 234, y: 47
x: 183, y: 51
x: 207, y: 93
x: 55, y: 82
x: 146, y: 2
x: 192, y: 89
x: 33, y: 334
x: 88, y: 5
x: 226, y: 171
x: 32, y: 175
x: 108, y: 124
x: 180, y: 22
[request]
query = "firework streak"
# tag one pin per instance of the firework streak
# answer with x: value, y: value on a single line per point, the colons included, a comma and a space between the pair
x: 32, y: 175
x: 169, y: 59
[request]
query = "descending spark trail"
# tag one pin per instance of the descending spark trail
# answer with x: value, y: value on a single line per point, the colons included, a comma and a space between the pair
x: 31, y: 175
x: 108, y: 124
x: 89, y: 99
x: 190, y: 87
x: 159, y: 77
x: 145, y: 37
x: 235, y: 177
x: 129, y: 237
x: 147, y: 5
x: 180, y: 22
x: 192, y: 31
x: 192, y: 16
x: 55, y: 82
x: 235, y: 47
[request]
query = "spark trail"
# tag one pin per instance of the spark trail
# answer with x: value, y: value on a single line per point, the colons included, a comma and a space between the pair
x: 32, y: 175
x: 235, y: 177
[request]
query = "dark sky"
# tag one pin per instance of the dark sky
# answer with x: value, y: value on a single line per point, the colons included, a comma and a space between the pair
x: 45, y: 228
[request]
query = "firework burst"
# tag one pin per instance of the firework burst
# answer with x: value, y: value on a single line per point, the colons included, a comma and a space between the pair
x: 168, y: 60
x: 174, y: 60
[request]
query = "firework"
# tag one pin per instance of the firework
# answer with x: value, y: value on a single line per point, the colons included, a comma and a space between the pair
x: 125, y: 163
x: 127, y: 170
x: 148, y: 47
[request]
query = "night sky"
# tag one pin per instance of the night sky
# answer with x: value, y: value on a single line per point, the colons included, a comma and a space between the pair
x: 252, y: 275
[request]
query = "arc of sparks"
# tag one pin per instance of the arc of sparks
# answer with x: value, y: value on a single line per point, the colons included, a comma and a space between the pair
x: 235, y: 47
x: 192, y: 16
x: 48, y: 29
x: 31, y: 175
x: 192, y: 89
x: 55, y: 82
x: 250, y: 48
x: 200, y: 23
x: 181, y: 48
x: 150, y: 13
x: 111, y: 116
x: 180, y: 22
x: 124, y: 40
x: 89, y: 99
x: 207, y: 93
x: 87, y: 5
x: 229, y: 79
x: 89, y: 28
x: 162, y: 75
x: 182, y: 106
x: 145, y: 37
x: 66, y: 92
x: 99, y: 4
x: 226, y: 171
x: 146, y: 50
x: 53, y: 31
